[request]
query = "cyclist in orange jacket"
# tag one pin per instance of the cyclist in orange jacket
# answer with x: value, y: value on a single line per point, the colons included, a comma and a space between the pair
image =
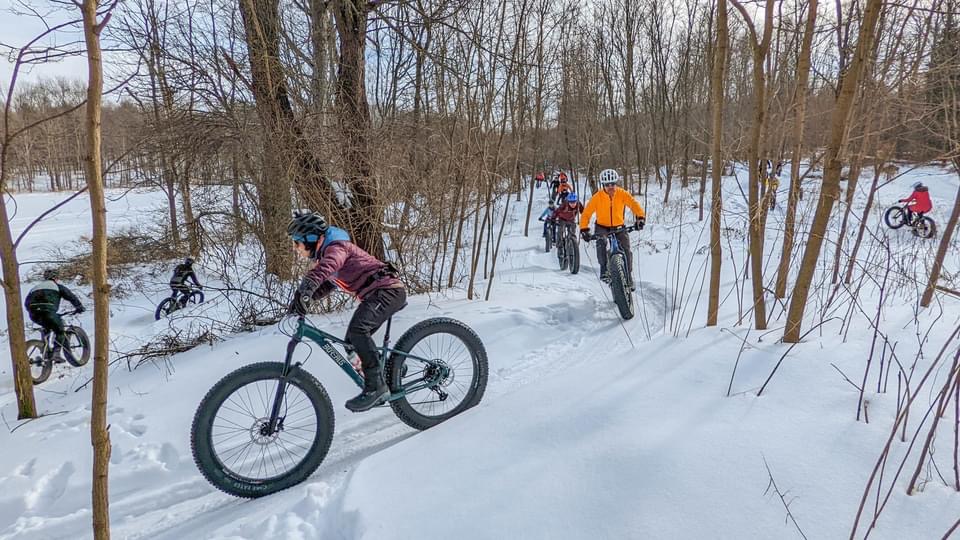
x: 563, y: 189
x: 610, y: 204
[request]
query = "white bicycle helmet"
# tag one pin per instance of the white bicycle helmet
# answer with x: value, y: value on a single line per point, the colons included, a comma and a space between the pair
x: 608, y: 177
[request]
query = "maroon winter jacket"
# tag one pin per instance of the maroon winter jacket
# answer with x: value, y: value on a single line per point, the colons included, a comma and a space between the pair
x: 341, y: 263
x: 568, y: 213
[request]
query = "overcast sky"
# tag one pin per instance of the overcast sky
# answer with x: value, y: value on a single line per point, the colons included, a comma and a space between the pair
x: 18, y: 29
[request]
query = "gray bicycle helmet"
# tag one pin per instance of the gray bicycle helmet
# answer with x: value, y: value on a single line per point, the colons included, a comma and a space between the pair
x: 307, y: 226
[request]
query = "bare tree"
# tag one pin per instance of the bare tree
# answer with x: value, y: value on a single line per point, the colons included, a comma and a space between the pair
x: 761, y: 47
x: 849, y: 84
x: 799, y: 109
x: 353, y: 115
x: 944, y: 88
x: 716, y: 205
x: 34, y: 52
x: 99, y: 436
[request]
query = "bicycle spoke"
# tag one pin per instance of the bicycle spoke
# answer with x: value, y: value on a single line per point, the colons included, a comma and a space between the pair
x: 456, y: 356
x: 240, y: 440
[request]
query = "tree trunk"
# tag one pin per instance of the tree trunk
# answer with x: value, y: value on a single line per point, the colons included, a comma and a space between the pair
x: 848, y: 278
x: 943, y: 248
x: 99, y: 434
x: 171, y: 192
x: 849, y: 82
x: 354, y: 117
x: 799, y: 104
x: 193, y: 235
x: 461, y: 202
x: 262, y: 28
x: 320, y: 31
x: 760, y: 50
x: 855, y: 167
x: 716, y: 165
x: 22, y: 383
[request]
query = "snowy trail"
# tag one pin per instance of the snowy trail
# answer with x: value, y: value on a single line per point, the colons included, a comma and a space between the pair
x: 539, y: 322
x: 360, y: 436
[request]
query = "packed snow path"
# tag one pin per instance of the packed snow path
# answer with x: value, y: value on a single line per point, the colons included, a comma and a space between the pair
x: 540, y: 321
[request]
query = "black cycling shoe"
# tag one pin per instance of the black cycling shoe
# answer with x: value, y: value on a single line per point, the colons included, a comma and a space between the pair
x: 374, y: 392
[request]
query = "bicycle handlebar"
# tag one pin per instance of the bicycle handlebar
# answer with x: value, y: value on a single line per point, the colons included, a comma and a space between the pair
x: 615, y: 230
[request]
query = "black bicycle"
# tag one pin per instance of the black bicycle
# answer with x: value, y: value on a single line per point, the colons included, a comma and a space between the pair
x: 177, y: 301
x: 900, y: 215
x: 568, y: 247
x: 549, y: 238
x: 617, y: 268
x: 40, y: 353
x: 268, y: 426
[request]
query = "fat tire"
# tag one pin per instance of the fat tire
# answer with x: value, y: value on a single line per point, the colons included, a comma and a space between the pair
x: 201, y: 430
x: 394, y: 368
x: 573, y: 253
x: 895, y: 217
x: 926, y: 228
x: 46, y: 367
x: 164, y: 308
x: 618, y: 285
x: 84, y: 356
x: 562, y: 251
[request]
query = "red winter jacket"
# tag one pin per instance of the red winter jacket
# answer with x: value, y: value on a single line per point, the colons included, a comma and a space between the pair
x: 919, y: 200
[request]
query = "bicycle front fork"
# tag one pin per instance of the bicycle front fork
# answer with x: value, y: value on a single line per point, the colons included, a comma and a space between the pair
x: 274, y: 422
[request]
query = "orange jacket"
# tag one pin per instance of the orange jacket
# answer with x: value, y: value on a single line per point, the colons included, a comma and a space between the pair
x: 609, y: 210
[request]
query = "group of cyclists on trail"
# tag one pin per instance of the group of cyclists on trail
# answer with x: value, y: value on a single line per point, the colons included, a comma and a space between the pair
x: 609, y: 204
x: 336, y: 262
x: 238, y: 430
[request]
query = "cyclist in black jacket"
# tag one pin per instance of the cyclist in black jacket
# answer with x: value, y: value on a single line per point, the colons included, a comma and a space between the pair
x: 43, y: 302
x: 178, y: 282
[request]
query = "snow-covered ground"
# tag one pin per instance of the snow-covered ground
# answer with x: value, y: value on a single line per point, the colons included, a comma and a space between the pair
x: 591, y: 427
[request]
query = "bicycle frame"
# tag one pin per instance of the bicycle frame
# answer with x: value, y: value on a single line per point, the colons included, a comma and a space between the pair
x: 326, y: 341
x: 175, y: 294
x: 611, y: 235
x: 910, y: 217
x: 47, y: 337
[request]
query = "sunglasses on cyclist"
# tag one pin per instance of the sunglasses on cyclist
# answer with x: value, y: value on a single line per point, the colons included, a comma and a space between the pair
x: 308, y: 238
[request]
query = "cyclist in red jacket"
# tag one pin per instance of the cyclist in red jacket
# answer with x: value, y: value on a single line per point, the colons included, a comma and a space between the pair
x: 919, y: 200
